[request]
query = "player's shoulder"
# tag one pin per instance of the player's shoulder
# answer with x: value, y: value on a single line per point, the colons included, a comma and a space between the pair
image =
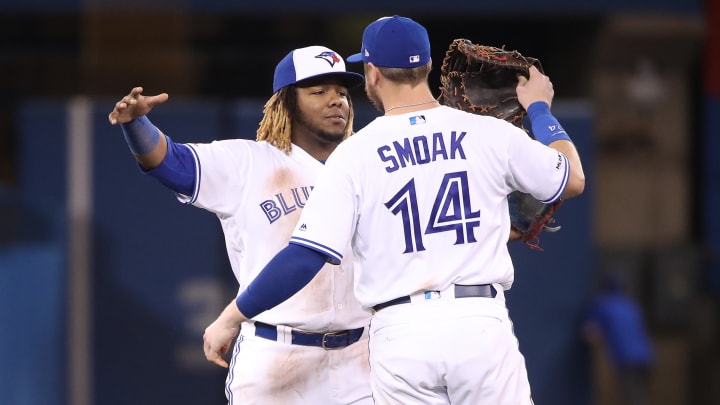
x: 250, y: 145
x: 477, y: 122
x: 223, y: 143
x: 236, y: 149
x: 467, y: 115
x: 349, y: 146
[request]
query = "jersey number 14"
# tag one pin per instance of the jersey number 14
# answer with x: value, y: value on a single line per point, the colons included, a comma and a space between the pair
x: 451, y: 211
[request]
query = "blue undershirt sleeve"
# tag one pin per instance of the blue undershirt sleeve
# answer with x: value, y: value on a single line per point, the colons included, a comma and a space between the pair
x: 141, y: 135
x: 286, y: 274
x: 177, y: 171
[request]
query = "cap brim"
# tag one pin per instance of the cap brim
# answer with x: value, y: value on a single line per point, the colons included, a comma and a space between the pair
x: 349, y: 79
x: 354, y: 58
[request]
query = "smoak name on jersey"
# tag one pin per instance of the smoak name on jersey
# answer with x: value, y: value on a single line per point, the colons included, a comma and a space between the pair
x: 422, y: 149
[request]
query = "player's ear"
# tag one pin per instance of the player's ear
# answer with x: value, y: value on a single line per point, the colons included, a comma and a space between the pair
x: 372, y: 73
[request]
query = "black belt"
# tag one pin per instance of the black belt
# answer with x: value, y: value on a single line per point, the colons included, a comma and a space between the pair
x: 461, y: 291
x: 328, y: 340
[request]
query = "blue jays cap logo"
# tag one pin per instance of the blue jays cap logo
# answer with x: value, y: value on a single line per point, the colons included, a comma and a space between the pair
x: 330, y: 57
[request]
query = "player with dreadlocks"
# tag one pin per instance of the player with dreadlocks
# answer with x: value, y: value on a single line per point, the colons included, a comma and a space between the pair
x: 276, y: 126
x: 257, y: 190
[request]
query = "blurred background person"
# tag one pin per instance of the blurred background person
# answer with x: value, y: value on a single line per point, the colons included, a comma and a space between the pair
x: 616, y: 327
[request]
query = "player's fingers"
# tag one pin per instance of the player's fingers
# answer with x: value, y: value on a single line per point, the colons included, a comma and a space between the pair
x: 120, y: 106
x: 514, y: 235
x: 225, y: 349
x: 221, y: 362
x: 215, y: 357
x: 159, y: 99
x: 209, y: 355
x: 534, y: 71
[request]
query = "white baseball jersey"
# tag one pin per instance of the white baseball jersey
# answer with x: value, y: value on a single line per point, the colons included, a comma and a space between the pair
x: 258, y: 192
x: 423, y: 198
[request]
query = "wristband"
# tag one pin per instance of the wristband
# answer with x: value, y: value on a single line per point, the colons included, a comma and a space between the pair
x: 141, y: 135
x: 545, y: 127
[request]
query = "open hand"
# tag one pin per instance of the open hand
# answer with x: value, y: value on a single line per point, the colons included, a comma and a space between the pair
x: 134, y: 105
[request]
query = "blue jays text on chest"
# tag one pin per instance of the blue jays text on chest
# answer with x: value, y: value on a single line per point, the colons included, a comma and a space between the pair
x: 283, y: 203
x: 421, y: 150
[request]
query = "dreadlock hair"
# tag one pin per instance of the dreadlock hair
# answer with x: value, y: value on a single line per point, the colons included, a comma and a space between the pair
x: 278, y: 113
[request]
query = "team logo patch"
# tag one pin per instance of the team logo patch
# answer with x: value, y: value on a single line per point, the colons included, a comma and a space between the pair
x: 329, y: 57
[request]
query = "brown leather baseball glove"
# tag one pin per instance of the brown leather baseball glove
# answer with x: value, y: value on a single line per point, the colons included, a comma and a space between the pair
x: 482, y: 80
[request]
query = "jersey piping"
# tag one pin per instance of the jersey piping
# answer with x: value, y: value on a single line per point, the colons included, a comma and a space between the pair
x: 563, y: 183
x: 198, y: 178
x: 334, y: 257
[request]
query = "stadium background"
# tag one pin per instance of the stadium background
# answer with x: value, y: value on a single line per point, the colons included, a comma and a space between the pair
x: 106, y: 283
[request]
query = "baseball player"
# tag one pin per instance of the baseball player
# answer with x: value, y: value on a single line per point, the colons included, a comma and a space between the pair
x: 421, y: 192
x: 312, y: 349
x: 614, y: 325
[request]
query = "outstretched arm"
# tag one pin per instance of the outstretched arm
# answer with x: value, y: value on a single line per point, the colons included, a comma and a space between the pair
x: 171, y: 163
x: 535, y: 95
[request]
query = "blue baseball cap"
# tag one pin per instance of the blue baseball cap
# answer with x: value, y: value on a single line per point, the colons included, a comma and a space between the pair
x: 396, y: 42
x: 310, y: 62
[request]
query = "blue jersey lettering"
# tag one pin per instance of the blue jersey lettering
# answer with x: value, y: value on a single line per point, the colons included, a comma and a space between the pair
x: 404, y: 152
x: 418, y: 152
x: 394, y: 164
x: 456, y: 144
x: 439, y: 146
x: 422, y: 152
x: 278, y: 207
